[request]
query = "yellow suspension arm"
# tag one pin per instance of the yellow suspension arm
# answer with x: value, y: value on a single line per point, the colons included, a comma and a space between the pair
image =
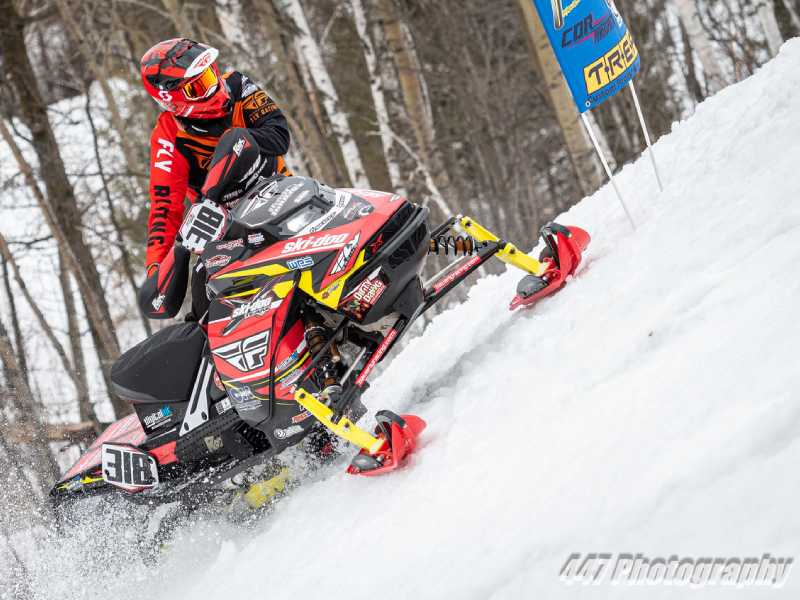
x: 508, y: 253
x: 345, y: 428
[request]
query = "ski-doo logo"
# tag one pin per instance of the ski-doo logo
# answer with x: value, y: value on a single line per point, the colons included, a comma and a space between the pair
x: 345, y: 254
x: 255, y: 308
x: 315, y: 243
x: 247, y: 354
x: 158, y: 418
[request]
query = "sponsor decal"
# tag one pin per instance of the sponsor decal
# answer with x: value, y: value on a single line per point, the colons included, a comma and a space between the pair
x: 357, y: 209
x: 158, y: 301
x: 238, y: 147
x: 255, y: 239
x: 376, y: 244
x: 289, y: 360
x: 257, y: 106
x: 248, y: 88
x: 260, y: 199
x: 201, y: 62
x: 230, y: 244
x: 223, y: 406
x: 251, y: 172
x: 204, y: 223
x: 560, y: 12
x: 303, y: 262
x: 213, y: 443
x: 313, y: 242
x: 332, y: 289
x: 247, y: 354
x: 282, y: 434
x: 369, y: 291
x: 243, y: 399
x: 344, y: 256
x: 587, y: 29
x: 365, y: 295
x: 611, y: 65
x: 387, y: 341
x: 342, y: 199
x: 158, y: 418
x: 256, y: 307
x: 301, y: 417
x: 165, y: 147
x: 128, y: 468
x: 277, y: 203
x: 214, y: 262
x: 451, y: 277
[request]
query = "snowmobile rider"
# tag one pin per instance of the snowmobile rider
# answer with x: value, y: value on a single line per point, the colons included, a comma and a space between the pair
x: 205, y: 116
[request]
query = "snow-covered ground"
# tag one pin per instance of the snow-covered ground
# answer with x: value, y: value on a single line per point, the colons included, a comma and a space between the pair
x: 651, y: 406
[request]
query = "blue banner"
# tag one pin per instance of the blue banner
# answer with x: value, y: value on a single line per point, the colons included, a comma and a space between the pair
x: 593, y: 46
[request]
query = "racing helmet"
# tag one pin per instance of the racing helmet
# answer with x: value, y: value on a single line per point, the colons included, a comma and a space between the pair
x: 183, y: 77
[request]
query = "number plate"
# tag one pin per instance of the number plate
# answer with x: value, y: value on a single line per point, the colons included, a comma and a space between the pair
x: 205, y: 222
x: 128, y: 468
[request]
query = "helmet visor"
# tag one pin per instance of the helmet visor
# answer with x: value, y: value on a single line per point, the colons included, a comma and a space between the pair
x: 201, y: 86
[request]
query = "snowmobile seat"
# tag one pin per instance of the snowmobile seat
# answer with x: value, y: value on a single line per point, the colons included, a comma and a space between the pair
x: 161, y: 368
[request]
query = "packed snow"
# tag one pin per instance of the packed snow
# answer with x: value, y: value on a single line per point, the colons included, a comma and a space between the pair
x: 649, y: 407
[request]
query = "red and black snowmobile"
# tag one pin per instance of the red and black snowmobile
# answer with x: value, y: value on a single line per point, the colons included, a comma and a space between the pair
x: 309, y: 287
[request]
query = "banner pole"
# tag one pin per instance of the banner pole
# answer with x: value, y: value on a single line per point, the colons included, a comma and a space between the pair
x: 606, y: 167
x: 646, y: 134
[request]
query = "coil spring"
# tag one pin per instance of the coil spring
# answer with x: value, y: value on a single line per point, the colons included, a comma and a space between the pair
x: 464, y: 245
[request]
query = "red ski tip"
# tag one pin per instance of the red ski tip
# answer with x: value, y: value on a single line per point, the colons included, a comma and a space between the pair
x: 566, y: 246
x: 400, y: 433
x: 579, y: 237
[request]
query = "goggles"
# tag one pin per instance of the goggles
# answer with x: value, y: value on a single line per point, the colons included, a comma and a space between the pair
x: 201, y: 86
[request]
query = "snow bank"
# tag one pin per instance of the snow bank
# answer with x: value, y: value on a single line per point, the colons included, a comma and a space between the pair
x: 651, y: 406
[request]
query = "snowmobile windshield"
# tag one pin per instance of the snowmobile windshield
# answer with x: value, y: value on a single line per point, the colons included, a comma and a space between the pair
x: 294, y: 223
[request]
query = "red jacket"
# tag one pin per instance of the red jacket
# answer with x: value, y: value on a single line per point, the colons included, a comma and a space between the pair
x: 180, y: 151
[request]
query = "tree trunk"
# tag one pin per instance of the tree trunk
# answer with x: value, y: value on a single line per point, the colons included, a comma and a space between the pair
x: 59, y: 207
x: 99, y: 74
x: 579, y: 147
x: 378, y: 98
x: 19, y: 340
x: 312, y: 53
x: 307, y: 131
x: 772, y: 33
x: 687, y: 11
x: 415, y: 100
x: 78, y: 371
x: 125, y: 257
x: 41, y: 459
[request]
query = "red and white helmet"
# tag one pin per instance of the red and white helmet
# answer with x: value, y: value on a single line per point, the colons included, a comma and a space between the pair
x: 183, y: 77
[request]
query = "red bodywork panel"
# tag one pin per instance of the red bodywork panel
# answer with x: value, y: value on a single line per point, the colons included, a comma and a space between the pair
x: 127, y: 430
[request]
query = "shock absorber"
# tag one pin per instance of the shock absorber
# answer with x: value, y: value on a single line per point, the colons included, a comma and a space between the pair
x: 460, y: 245
x: 315, y: 338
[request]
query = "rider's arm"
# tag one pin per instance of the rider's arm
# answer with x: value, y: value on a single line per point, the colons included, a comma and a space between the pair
x: 264, y: 119
x: 169, y: 176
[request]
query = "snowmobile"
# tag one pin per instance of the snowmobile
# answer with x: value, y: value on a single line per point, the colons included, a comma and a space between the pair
x: 309, y: 289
